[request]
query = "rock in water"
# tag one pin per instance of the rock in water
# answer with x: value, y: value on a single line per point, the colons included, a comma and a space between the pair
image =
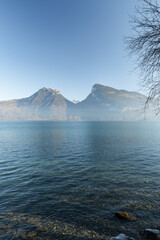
x: 125, y: 216
x: 150, y: 234
x: 122, y: 237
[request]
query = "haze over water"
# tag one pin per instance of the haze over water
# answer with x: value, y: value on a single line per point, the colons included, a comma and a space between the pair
x: 65, y: 180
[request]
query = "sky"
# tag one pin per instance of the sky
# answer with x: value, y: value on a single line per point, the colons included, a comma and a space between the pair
x: 64, y: 44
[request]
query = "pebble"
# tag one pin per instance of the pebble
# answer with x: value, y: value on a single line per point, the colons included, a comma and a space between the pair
x: 125, y: 216
x: 150, y: 234
x: 122, y: 237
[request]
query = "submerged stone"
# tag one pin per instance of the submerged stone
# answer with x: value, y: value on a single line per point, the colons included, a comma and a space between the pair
x: 125, y: 216
x: 150, y: 234
x: 122, y: 237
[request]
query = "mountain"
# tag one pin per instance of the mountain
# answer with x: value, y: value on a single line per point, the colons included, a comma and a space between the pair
x: 46, y: 104
x: 106, y: 103
x: 103, y: 103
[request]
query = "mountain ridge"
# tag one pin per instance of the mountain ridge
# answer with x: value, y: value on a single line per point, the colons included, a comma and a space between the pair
x: 102, y: 103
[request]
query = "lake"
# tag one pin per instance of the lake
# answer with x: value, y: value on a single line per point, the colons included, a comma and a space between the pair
x: 66, y: 180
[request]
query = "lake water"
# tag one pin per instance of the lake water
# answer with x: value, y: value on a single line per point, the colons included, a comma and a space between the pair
x: 66, y: 180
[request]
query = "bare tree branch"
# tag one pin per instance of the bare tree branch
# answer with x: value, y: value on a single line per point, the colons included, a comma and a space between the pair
x: 145, y: 45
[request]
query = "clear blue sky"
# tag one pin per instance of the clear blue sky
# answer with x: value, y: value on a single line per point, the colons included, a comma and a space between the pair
x: 64, y: 44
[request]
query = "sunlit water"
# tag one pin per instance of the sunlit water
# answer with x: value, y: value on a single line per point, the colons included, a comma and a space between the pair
x: 66, y: 180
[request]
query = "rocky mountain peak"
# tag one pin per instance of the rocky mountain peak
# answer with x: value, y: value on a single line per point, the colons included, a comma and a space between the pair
x: 102, y: 88
x: 49, y: 90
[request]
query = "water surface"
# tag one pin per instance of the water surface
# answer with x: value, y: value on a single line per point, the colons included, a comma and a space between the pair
x: 65, y: 180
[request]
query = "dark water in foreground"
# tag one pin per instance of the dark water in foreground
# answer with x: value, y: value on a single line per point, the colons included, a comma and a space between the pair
x: 65, y: 180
